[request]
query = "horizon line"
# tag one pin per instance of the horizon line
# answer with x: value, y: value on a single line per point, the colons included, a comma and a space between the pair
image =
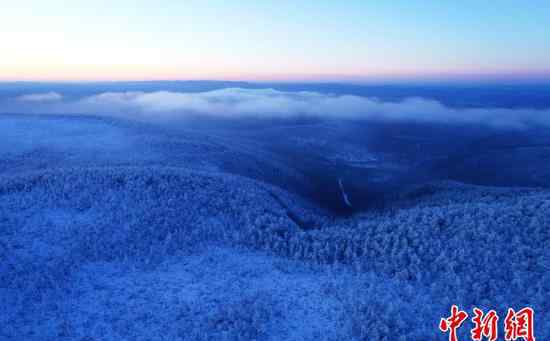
x: 542, y: 79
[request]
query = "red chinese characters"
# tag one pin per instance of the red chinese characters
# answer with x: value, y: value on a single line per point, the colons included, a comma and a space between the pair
x: 519, y: 324
x: 485, y: 325
x: 453, y: 322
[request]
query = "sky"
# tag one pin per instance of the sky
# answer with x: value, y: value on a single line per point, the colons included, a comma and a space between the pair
x: 282, y: 40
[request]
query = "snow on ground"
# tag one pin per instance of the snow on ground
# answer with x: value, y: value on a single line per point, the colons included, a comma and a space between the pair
x: 55, y: 223
x: 39, y: 142
x: 74, y: 138
x: 212, y: 294
x: 162, y: 248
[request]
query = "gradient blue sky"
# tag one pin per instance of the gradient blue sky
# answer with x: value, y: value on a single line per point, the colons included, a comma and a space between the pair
x: 274, y: 40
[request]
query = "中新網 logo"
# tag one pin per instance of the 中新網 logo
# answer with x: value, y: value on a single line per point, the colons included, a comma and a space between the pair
x: 518, y: 325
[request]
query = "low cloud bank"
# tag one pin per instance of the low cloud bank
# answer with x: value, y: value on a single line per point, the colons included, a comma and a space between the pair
x: 269, y: 103
x: 42, y: 97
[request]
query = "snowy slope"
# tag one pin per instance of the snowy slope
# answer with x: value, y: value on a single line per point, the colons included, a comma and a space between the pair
x: 114, y: 230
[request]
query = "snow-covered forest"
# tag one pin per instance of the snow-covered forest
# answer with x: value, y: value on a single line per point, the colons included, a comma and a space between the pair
x: 272, y: 229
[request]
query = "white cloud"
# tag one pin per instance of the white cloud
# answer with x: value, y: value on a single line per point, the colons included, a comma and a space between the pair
x: 41, y: 97
x: 234, y: 102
